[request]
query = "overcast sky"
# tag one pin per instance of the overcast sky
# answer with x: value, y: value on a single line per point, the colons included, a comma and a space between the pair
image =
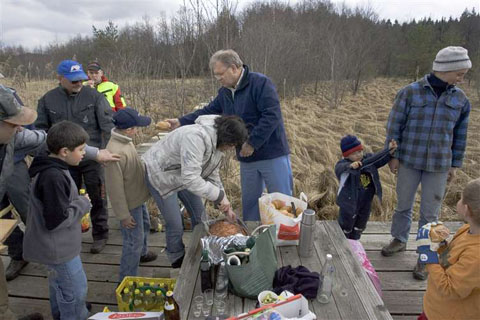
x: 32, y: 23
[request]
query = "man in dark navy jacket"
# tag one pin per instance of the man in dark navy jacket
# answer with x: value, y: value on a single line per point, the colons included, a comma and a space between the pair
x: 264, y: 158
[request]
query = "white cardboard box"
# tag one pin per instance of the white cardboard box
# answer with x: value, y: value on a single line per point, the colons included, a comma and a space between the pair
x: 127, y: 315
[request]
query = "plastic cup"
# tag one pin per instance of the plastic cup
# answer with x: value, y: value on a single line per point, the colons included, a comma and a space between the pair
x: 197, y: 311
x: 208, y: 295
x: 220, y: 306
x: 206, y: 309
x: 198, y: 300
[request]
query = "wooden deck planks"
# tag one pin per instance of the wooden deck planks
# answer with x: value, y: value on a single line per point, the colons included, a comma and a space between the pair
x: 402, y: 294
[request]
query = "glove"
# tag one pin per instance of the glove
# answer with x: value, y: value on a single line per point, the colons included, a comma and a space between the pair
x: 423, y: 241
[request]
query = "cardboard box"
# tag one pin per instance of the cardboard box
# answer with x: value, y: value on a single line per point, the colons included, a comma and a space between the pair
x: 294, y: 307
x: 127, y: 315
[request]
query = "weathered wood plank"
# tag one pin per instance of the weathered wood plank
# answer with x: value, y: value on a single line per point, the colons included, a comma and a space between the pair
x: 344, y: 293
x: 249, y: 304
x: 402, y: 317
x: 402, y: 261
x: 371, y: 301
x: 404, y: 302
x: 196, y: 287
x: 37, y: 287
x: 378, y: 241
x: 114, y: 259
x: 234, y: 305
x: 154, y: 240
x: 96, y: 272
x: 24, y: 306
x: 384, y: 227
x: 315, y: 263
x: 400, y: 281
x: 189, y: 272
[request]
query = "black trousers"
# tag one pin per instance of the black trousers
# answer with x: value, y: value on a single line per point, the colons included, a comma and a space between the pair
x: 91, y: 174
x: 18, y: 193
x: 353, y: 223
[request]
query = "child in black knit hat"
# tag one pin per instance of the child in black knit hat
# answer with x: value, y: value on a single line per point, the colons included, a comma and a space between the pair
x: 359, y: 182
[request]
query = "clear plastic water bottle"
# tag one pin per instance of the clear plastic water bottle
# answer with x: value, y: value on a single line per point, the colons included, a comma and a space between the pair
x: 328, y: 270
x: 221, y: 286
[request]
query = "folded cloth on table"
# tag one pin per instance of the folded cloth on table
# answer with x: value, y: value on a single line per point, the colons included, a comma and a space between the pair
x: 296, y: 280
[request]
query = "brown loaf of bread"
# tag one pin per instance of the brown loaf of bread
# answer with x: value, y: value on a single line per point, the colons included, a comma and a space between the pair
x: 438, y: 233
x: 225, y: 229
x: 163, y: 125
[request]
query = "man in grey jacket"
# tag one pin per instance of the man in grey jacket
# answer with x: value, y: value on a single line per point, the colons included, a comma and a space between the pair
x: 88, y: 108
x: 16, y: 140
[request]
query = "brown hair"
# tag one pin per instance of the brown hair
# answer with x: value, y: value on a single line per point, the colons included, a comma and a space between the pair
x: 471, y: 197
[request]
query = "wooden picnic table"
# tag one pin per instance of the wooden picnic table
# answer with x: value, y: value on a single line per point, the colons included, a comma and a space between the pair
x: 354, y: 296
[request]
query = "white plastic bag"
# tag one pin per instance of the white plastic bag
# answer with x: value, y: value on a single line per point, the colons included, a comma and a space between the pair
x: 288, y: 228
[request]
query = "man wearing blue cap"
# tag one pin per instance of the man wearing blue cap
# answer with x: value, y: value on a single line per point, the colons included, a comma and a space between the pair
x: 87, y: 107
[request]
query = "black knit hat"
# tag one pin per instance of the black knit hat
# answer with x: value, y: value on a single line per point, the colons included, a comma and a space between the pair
x: 349, y: 144
x: 94, y: 65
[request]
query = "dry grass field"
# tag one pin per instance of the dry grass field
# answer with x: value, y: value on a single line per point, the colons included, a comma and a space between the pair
x: 314, y: 130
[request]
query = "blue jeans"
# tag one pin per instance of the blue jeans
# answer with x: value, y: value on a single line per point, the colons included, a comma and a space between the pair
x: 68, y: 290
x: 276, y: 174
x: 134, y: 242
x: 170, y: 210
x: 433, y: 190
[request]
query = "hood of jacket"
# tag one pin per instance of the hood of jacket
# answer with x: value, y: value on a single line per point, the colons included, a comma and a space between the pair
x: 208, y: 124
x: 42, y: 163
x: 187, y: 158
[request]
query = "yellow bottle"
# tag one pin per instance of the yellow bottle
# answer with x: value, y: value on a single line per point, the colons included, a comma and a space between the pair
x: 86, y: 217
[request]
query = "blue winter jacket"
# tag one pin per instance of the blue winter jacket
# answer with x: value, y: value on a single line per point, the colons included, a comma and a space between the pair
x: 256, y: 102
x: 347, y: 196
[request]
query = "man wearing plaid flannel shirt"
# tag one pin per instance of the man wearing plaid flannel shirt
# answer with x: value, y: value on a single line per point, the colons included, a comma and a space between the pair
x: 429, y: 120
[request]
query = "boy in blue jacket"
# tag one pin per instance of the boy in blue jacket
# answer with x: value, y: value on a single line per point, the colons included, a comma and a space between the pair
x: 53, y: 235
x: 359, y: 182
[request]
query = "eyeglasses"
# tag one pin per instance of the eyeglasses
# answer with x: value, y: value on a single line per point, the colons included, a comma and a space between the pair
x: 75, y: 82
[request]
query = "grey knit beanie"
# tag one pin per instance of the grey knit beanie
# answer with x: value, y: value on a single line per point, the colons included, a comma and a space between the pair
x: 452, y: 59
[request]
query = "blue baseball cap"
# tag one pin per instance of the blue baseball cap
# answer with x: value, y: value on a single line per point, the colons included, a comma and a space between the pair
x: 72, y: 70
x: 128, y: 118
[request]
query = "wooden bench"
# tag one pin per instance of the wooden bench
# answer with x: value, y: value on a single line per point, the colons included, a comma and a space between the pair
x: 354, y: 296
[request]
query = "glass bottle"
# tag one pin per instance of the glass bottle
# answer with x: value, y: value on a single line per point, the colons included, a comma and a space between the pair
x: 327, y: 280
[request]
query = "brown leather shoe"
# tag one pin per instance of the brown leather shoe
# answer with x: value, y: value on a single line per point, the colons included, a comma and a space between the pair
x: 98, y: 245
x: 14, y: 268
x: 149, y: 256
x: 393, y: 247
x: 420, y: 271
x: 33, y: 316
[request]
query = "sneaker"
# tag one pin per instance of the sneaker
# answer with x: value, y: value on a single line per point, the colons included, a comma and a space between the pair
x: 33, y: 316
x: 14, y: 268
x: 393, y: 247
x: 178, y: 263
x: 98, y: 245
x: 420, y: 271
x: 149, y: 256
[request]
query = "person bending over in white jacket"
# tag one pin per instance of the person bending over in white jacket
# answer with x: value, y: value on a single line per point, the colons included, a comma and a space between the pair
x: 185, y: 164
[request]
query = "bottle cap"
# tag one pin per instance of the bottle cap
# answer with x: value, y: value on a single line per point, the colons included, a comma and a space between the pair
x: 309, y: 217
x: 126, y: 290
x: 82, y: 191
x: 169, y: 293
